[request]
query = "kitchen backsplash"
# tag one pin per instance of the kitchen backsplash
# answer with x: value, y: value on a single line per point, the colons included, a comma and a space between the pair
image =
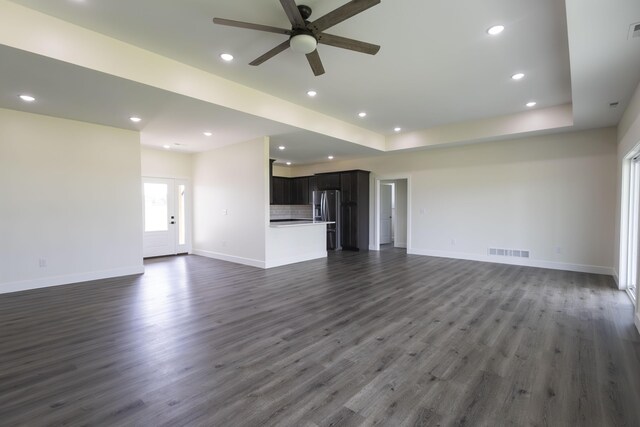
x: 291, y: 212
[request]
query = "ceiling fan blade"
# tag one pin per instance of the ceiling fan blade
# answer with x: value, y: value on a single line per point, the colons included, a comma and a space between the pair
x: 315, y: 62
x: 273, y: 52
x: 293, y: 13
x: 239, y: 24
x: 351, y: 44
x: 340, y: 14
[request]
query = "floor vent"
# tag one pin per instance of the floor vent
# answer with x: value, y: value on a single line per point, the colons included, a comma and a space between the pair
x: 518, y: 253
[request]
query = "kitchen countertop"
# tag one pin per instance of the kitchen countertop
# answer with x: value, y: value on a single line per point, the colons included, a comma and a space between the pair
x: 281, y: 224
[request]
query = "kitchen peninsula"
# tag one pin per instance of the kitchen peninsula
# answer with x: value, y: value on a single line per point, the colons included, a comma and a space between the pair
x: 289, y: 242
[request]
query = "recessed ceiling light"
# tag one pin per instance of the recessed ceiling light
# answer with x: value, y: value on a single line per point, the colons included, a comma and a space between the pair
x: 288, y: 163
x: 495, y: 30
x: 362, y: 114
x: 227, y: 57
x: 167, y: 146
x: 207, y: 133
x: 398, y: 129
x: 330, y: 157
x: 135, y: 119
x: 531, y: 104
x: 282, y: 147
x: 312, y: 93
x: 27, y: 98
x: 517, y: 76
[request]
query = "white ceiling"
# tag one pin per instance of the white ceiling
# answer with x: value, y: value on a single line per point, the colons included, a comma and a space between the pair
x: 437, y: 66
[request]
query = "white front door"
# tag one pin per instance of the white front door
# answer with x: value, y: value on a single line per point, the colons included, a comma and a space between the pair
x: 385, y: 213
x: 166, y: 229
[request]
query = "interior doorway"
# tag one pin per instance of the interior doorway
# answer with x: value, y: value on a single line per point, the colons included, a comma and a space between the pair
x: 387, y: 206
x: 166, y: 225
x: 392, y: 213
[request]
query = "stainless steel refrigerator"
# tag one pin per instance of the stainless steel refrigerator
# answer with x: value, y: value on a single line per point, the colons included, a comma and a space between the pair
x: 326, y: 207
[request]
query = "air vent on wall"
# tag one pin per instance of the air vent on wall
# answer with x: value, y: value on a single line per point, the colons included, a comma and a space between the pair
x: 634, y: 31
x: 518, y: 253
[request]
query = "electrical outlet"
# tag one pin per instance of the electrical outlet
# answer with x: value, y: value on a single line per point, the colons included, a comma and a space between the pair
x: 225, y: 212
x: 42, y: 262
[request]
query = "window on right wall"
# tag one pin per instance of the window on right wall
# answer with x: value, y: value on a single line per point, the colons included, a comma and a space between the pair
x: 632, y: 226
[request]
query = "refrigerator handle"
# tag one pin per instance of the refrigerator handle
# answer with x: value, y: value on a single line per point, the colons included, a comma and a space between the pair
x: 323, y: 206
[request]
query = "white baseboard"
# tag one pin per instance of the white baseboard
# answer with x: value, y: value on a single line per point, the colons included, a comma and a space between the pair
x: 295, y: 259
x: 527, y: 262
x: 230, y: 258
x: 395, y: 245
x: 45, y: 282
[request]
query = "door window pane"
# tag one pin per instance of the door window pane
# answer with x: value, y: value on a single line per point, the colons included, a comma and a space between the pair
x: 182, y: 240
x: 155, y: 207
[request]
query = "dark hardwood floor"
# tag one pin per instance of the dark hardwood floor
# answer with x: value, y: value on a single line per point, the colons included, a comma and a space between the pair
x: 358, y: 339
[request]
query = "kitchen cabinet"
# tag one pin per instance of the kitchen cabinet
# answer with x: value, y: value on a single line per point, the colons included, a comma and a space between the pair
x: 328, y: 181
x: 271, y: 180
x: 290, y: 191
x: 348, y: 187
x: 354, y: 195
x: 300, y: 191
x: 281, y: 194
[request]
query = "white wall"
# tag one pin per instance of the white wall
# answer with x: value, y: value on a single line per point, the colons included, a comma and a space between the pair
x: 628, y: 141
x: 279, y: 170
x: 166, y: 164
x: 553, y: 195
x: 234, y: 179
x: 70, y: 195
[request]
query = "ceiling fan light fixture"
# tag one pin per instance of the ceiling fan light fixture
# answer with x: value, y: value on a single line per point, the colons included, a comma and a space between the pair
x: 303, y: 43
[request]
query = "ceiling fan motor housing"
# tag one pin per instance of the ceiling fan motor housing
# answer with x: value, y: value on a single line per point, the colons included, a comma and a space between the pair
x: 305, y: 11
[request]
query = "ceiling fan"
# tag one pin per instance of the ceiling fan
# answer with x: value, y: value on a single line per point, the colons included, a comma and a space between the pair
x: 304, y: 36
